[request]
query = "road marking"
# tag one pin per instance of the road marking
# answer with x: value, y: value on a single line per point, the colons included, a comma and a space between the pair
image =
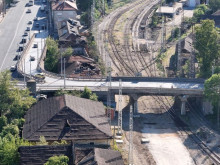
x: 12, y: 40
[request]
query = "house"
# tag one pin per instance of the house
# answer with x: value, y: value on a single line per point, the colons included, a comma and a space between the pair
x: 77, y: 154
x: 69, y: 32
x: 80, y: 66
x: 67, y: 118
x: 63, y: 10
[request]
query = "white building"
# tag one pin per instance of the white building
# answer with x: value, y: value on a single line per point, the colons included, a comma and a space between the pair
x: 63, y: 10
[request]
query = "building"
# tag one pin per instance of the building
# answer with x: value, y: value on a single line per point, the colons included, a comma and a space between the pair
x: 169, y: 11
x: 193, y: 3
x: 67, y: 118
x: 77, y: 154
x: 70, y: 33
x: 63, y: 10
x: 215, y: 17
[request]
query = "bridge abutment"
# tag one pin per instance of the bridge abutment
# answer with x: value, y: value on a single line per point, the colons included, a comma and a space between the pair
x: 183, y: 104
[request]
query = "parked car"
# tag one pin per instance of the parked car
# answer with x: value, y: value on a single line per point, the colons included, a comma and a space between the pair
x: 28, y: 29
x: 35, y: 46
x: 37, y: 25
x: 32, y: 58
x: 35, y: 18
x: 25, y: 34
x: 20, y: 48
x: 23, y: 41
x: 29, y: 22
x: 17, y: 57
x: 13, y: 68
x: 28, y: 11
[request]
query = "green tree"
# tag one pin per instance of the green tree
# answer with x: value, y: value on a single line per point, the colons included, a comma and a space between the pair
x: 13, y: 101
x: 57, y: 160
x: 87, y: 93
x: 214, y: 5
x: 206, y: 43
x: 52, y: 55
x: 199, y: 12
x: 42, y: 141
x: 68, y: 52
x: 9, y: 149
x: 3, y: 122
x: 10, y: 129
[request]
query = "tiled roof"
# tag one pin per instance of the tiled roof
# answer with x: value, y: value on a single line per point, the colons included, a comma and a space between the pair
x: 64, y: 5
x: 38, y: 155
x: 48, y: 118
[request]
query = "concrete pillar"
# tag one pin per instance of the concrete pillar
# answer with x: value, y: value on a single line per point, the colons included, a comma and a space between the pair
x: 183, y: 104
x: 134, y: 101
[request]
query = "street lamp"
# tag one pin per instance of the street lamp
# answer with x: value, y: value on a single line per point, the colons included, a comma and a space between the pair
x: 64, y: 72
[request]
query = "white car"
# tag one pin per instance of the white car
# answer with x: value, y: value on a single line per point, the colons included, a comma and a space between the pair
x: 13, y: 68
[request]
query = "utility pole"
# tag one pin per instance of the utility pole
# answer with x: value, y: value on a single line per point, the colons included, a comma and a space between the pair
x: 103, y: 10
x: 64, y: 71
x: 109, y: 94
x: 61, y: 71
x: 24, y: 74
x: 130, y: 154
x: 30, y: 66
x: 92, y: 12
x: 37, y: 52
x: 120, y: 109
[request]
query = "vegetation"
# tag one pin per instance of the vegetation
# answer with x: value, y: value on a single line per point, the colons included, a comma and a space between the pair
x: 58, y: 160
x: 199, y: 12
x: 85, y: 6
x: 68, y: 52
x: 9, y: 149
x: 214, y: 5
x: 14, y: 103
x: 206, y: 43
x: 155, y: 20
x: 212, y: 89
x: 52, y: 55
x: 86, y: 93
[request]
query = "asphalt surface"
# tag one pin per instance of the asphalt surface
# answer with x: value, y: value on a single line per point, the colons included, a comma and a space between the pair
x: 12, y: 29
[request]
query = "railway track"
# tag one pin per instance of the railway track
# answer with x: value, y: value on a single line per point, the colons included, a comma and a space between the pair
x: 130, y: 68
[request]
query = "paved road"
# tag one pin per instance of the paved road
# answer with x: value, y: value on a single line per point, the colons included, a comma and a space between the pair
x: 12, y: 29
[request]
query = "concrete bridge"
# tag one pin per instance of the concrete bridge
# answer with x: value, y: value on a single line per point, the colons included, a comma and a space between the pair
x: 135, y: 87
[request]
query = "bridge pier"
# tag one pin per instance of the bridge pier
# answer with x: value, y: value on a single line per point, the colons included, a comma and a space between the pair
x: 134, y: 101
x: 183, y: 104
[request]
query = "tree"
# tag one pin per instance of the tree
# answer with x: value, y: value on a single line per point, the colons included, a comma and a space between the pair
x: 13, y: 101
x: 68, y: 52
x: 52, y: 55
x: 3, y: 122
x: 199, y: 12
x: 214, y: 5
x: 87, y: 93
x: 206, y: 43
x: 57, y: 160
x: 9, y: 149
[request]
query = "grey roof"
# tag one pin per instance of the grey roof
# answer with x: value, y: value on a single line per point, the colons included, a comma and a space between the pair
x: 68, y: 28
x: 108, y: 157
x: 187, y: 44
x: 38, y: 155
x: 80, y: 155
x: 48, y: 118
